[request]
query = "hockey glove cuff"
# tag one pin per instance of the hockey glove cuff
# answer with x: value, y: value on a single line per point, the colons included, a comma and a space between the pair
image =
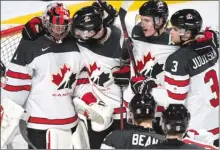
x: 33, y: 29
x: 121, y: 75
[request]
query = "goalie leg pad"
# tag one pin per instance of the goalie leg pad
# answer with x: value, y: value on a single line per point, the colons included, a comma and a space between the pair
x: 11, y: 113
x: 80, y: 137
x: 59, y: 139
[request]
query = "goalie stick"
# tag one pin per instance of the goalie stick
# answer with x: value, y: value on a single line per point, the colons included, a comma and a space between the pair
x: 23, y: 131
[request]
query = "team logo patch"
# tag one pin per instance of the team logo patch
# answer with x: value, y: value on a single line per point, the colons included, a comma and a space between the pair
x: 97, y: 76
x: 64, y: 79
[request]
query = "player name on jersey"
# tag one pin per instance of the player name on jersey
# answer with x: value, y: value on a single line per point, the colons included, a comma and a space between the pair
x: 202, y: 60
x: 143, y: 140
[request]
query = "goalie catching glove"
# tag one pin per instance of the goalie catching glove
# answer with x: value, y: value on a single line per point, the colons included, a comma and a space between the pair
x: 142, y: 85
x: 99, y: 113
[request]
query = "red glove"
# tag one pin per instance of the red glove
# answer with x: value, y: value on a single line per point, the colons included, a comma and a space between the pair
x: 142, y: 85
x: 33, y: 29
x: 121, y: 75
x: 208, y: 34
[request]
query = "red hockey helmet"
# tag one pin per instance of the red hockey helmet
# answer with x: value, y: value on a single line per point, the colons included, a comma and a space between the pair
x: 56, y: 20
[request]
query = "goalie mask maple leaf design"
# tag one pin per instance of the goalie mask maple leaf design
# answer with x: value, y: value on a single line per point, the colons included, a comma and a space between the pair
x: 65, y: 79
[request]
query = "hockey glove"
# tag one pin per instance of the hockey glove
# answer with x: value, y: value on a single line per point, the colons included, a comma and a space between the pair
x: 108, y: 12
x: 121, y: 75
x: 33, y: 29
x: 142, y: 85
x: 207, y: 35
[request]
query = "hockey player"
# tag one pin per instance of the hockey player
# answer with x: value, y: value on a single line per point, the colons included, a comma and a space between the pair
x: 41, y: 77
x: 192, y: 72
x: 101, y: 50
x: 151, y: 47
x: 141, y: 133
x: 175, y: 120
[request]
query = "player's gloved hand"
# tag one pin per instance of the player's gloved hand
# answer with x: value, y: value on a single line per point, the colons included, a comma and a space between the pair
x: 142, y: 85
x: 108, y: 12
x: 208, y: 34
x: 33, y: 29
x: 121, y: 75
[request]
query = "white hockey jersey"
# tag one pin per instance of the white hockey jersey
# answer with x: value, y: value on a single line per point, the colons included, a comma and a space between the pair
x: 100, y: 59
x: 192, y: 78
x: 150, y: 55
x: 42, y: 76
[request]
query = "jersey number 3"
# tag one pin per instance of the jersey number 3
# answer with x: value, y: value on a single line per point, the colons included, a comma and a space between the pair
x: 211, y: 75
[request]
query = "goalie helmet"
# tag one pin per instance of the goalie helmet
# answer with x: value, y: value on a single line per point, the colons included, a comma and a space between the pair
x: 175, y: 119
x: 142, y: 106
x: 155, y: 8
x: 56, y: 20
x: 187, y: 20
x: 87, y: 18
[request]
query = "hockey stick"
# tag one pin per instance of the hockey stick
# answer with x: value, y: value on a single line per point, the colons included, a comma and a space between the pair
x: 23, y: 131
x: 122, y: 13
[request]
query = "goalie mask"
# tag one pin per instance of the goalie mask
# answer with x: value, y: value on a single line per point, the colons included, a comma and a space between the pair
x: 56, y: 19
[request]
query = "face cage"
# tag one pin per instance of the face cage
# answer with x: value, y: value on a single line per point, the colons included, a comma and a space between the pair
x: 58, y: 32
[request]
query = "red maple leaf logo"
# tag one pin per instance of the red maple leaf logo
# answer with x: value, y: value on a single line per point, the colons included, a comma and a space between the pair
x: 93, y: 68
x: 57, y: 79
x: 140, y: 64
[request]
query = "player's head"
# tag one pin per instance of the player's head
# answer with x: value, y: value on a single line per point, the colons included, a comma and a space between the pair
x: 154, y: 14
x: 175, y: 119
x: 186, y: 24
x: 142, y: 107
x: 56, y: 20
x: 87, y: 22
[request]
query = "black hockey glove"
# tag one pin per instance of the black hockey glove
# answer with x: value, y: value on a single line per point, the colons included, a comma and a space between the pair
x: 2, y: 69
x: 121, y: 75
x: 105, y: 8
x: 33, y: 29
x: 142, y: 85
